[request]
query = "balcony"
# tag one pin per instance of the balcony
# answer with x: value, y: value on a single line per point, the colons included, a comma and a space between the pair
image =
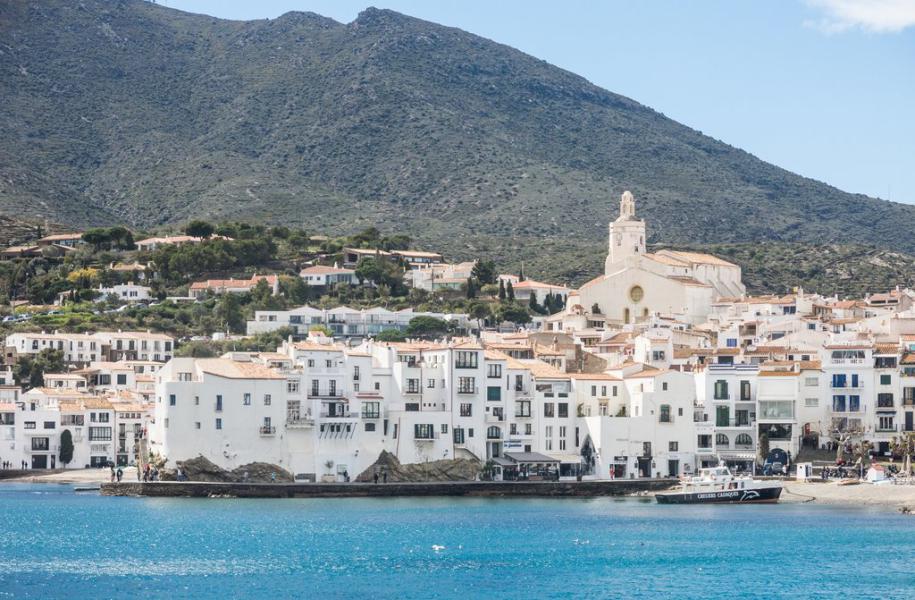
x: 266, y: 430
x: 300, y: 422
x: 494, y: 418
x: 371, y: 414
x: 886, y: 429
x: 346, y: 414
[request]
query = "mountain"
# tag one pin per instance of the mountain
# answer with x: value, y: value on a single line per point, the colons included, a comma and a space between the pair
x: 123, y: 111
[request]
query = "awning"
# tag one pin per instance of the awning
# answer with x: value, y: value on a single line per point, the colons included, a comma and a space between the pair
x: 530, y: 457
x: 567, y: 458
x: 737, y: 455
x: 502, y: 462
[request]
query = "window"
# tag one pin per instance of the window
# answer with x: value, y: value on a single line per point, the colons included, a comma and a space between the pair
x: 196, y: 424
x: 196, y: 400
x: 332, y: 387
x: 854, y: 403
x: 886, y: 379
x: 494, y: 371
x: 100, y: 434
x: 218, y: 403
x: 885, y: 401
x: 680, y: 412
x: 371, y: 410
x: 614, y: 391
x: 657, y: 355
x: 411, y: 407
x: 444, y: 428
x: 664, y: 386
x: 49, y: 424
x: 122, y: 379
x: 885, y: 423
x: 311, y: 362
x: 370, y: 427
x: 470, y: 432
x: 745, y: 390
x: 218, y: 423
x: 721, y: 390
x: 41, y: 444
x: 246, y: 399
x: 458, y: 435
x: 423, y: 431
x: 328, y: 363
x: 812, y: 381
x: 466, y: 410
x: 513, y: 429
x: 548, y: 409
x: 594, y: 390
x: 811, y: 402
x: 315, y: 387
x: 704, y: 441
x: 673, y: 446
x: 171, y: 400
x: 430, y: 383
x: 267, y: 400
x: 356, y: 373
x: 665, y: 417
x: 563, y: 410
x: 466, y: 385
x: 292, y: 387
x: 838, y: 403
x: 732, y: 342
x: 523, y: 408
x: 743, y: 441
x: 722, y: 440
x: 465, y: 360
x: 493, y: 394
x: 412, y: 386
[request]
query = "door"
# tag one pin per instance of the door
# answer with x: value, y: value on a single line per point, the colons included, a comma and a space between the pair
x: 908, y: 421
x: 39, y: 461
x: 723, y: 416
x: 644, y: 466
x: 53, y: 461
x: 673, y: 468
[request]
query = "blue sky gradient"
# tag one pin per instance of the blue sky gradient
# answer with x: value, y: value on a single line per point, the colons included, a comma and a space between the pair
x: 824, y: 88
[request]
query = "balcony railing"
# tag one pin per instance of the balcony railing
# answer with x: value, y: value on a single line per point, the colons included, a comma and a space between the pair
x: 346, y: 414
x: 887, y: 429
x: 267, y: 430
x: 305, y: 421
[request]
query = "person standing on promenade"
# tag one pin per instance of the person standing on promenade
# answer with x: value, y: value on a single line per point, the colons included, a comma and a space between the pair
x: 375, y: 477
x: 384, y: 476
x: 120, y: 474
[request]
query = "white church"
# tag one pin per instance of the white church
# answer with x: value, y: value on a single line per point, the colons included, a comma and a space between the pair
x: 637, y: 284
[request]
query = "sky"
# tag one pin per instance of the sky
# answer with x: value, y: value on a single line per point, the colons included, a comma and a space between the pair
x: 824, y: 88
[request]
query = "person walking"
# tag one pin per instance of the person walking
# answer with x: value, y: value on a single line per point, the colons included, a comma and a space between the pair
x: 112, y: 472
x: 120, y: 474
x: 384, y: 476
x: 375, y: 477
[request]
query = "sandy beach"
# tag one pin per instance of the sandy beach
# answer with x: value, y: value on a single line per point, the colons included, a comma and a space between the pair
x: 77, y: 476
x: 863, y: 494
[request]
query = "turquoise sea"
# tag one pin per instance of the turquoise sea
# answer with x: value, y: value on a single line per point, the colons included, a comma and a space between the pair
x: 55, y: 543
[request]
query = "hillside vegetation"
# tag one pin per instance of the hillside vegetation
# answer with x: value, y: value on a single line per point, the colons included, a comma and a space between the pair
x: 126, y: 112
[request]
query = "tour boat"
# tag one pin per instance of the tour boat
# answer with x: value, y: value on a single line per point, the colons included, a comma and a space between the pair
x: 717, y: 486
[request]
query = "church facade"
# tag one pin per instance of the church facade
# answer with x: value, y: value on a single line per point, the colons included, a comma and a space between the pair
x: 637, y: 284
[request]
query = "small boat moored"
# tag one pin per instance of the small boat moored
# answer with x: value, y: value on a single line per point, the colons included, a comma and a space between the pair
x: 718, y: 486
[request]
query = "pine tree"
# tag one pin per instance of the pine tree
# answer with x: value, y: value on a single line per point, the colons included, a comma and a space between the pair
x: 471, y: 288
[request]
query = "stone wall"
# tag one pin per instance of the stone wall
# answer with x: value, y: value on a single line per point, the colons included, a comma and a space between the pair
x: 340, y: 490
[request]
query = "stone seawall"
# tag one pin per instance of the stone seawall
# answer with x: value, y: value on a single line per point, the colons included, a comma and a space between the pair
x: 188, y: 489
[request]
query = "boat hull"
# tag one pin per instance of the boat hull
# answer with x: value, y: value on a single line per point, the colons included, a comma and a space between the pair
x: 754, y: 496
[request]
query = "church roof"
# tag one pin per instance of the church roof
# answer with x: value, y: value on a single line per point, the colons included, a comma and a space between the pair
x: 697, y: 258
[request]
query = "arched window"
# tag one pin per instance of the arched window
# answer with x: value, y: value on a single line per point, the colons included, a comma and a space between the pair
x: 722, y: 440
x: 494, y: 433
x: 743, y: 441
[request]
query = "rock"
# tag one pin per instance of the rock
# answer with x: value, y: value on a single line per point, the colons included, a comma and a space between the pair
x: 439, y: 470
x: 203, y: 469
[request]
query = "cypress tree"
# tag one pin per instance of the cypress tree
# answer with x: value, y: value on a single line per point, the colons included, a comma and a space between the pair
x: 510, y: 291
x: 501, y: 290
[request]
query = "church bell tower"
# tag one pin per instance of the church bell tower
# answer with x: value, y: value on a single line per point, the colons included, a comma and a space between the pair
x: 627, y: 235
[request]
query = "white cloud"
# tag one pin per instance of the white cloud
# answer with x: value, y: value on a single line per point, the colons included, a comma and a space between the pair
x: 876, y: 16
